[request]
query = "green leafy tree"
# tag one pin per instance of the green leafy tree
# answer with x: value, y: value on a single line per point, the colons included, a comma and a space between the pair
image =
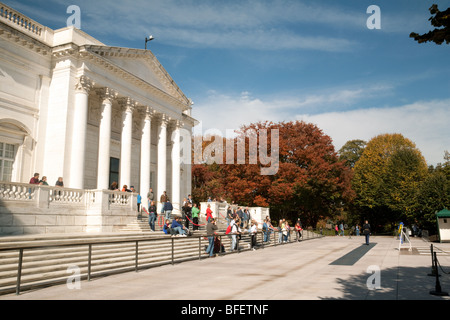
x: 441, y: 22
x: 351, y: 151
x: 434, y: 195
x: 386, y: 179
x: 406, y: 169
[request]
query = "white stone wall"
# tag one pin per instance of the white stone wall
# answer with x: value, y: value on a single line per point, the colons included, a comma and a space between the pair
x: 444, y: 230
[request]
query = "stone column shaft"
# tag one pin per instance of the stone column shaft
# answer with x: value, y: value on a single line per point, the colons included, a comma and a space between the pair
x: 176, y: 166
x: 104, y: 141
x: 162, y: 157
x: 77, y: 156
x: 125, y: 145
x: 145, y: 155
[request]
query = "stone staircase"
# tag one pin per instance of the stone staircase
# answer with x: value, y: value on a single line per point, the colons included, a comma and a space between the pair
x: 141, y: 225
x: 45, y: 265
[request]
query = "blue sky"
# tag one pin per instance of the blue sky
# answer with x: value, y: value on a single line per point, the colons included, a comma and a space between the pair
x: 281, y: 60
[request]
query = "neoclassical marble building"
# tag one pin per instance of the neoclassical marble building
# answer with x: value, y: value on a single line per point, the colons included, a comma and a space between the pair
x: 73, y: 107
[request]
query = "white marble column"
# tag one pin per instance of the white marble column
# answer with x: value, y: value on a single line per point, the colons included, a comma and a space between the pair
x: 126, y: 143
x: 104, y: 140
x: 80, y: 115
x: 146, y: 154
x: 162, y: 156
x: 176, y: 166
x: 186, y: 162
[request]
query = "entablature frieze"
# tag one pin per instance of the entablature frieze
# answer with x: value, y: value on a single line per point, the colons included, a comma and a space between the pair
x: 10, y: 34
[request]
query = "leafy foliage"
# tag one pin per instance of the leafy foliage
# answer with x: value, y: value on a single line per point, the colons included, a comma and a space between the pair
x: 387, y: 178
x: 352, y: 151
x: 311, y: 180
x: 441, y: 22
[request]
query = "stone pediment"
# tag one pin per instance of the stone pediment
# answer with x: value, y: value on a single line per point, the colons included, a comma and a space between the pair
x: 141, y: 64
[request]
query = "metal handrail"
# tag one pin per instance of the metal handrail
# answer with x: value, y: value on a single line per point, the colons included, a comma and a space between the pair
x: 136, y: 240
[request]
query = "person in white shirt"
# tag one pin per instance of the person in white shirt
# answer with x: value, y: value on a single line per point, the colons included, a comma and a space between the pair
x: 235, y: 231
x: 252, y: 231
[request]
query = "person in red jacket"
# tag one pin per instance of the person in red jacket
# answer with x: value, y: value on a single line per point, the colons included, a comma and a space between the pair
x: 35, y: 179
x: 208, y: 213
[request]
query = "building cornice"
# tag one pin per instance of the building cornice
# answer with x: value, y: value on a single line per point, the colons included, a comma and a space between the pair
x: 11, y: 34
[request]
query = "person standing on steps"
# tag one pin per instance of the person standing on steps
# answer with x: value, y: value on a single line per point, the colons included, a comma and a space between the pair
x: 163, y: 199
x: 152, y: 215
x: 195, y: 213
x: 150, y: 197
x: 167, y: 206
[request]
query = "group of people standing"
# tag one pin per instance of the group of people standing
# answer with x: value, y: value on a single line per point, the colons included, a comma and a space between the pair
x: 283, y: 229
x: 189, y: 211
x: 355, y: 230
x: 43, y: 182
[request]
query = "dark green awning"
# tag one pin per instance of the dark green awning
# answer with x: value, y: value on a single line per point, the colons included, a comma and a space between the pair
x: 443, y: 214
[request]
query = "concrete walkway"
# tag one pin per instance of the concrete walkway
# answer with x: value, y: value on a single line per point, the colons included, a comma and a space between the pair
x: 308, y: 270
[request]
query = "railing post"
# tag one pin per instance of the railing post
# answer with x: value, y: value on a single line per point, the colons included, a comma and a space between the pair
x: 89, y: 261
x: 19, y: 271
x: 199, y: 248
x: 438, y: 290
x: 433, y: 270
x: 137, y: 256
x: 172, y: 251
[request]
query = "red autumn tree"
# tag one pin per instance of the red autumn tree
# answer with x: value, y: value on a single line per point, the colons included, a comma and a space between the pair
x: 308, y: 180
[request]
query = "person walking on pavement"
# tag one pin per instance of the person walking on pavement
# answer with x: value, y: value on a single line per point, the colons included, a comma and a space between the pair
x: 210, y: 231
x: 367, y: 231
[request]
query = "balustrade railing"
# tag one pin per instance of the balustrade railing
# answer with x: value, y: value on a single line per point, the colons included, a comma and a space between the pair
x: 47, y: 195
x: 17, y: 191
x: 22, y: 21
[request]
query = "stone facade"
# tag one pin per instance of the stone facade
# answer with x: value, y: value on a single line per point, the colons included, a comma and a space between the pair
x: 70, y: 105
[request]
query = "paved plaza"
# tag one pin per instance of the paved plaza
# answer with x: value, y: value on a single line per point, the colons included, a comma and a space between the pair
x: 330, y: 268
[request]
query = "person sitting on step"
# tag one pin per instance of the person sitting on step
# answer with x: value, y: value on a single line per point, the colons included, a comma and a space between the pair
x: 178, y: 227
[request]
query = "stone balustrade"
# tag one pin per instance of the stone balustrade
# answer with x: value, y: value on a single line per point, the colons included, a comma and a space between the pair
x: 27, y: 24
x: 29, y: 209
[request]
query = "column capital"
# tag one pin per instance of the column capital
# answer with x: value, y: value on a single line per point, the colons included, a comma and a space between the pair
x: 176, y: 124
x: 164, y: 120
x: 148, y: 113
x: 107, y: 94
x: 127, y: 104
x: 83, y: 85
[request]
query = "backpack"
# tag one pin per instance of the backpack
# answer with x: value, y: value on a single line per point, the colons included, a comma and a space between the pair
x: 228, y: 229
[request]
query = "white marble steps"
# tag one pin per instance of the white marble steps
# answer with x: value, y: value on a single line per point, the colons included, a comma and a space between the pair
x: 143, y: 226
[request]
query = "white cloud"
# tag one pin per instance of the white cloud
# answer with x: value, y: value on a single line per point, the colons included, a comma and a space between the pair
x: 424, y: 122
x: 269, y: 25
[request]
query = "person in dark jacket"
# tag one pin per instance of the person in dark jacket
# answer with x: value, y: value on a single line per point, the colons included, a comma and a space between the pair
x: 167, y: 206
x: 152, y: 215
x: 366, y: 231
x: 176, y: 226
x: 210, y: 231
